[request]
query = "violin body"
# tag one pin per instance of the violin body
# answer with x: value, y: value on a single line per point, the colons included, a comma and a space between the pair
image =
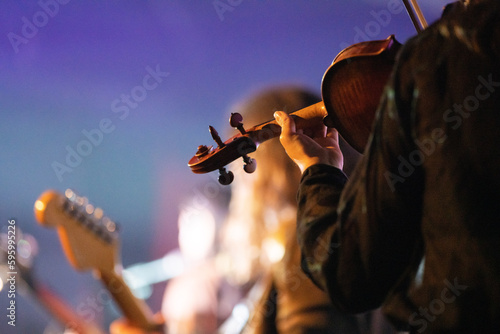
x: 351, y: 91
x: 353, y: 86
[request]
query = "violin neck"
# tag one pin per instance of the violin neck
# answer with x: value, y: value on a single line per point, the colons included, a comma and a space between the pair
x: 314, y: 111
x: 310, y: 115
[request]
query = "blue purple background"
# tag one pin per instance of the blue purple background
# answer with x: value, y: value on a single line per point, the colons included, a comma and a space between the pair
x: 64, y: 78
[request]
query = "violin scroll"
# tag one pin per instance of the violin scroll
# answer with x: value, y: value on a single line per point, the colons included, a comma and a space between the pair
x: 208, y: 158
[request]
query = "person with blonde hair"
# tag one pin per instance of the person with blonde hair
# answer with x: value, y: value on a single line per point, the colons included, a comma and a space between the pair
x: 260, y: 233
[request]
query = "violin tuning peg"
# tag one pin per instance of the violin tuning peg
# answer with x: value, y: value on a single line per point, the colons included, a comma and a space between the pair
x: 225, y: 178
x: 202, y: 151
x: 236, y: 122
x: 250, y: 164
x: 215, y: 136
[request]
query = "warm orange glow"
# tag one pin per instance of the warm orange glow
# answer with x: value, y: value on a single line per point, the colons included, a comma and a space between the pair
x: 39, y: 205
x: 45, y: 203
x: 274, y: 249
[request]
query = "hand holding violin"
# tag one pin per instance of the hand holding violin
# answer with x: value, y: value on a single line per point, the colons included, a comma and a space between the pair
x: 309, y: 146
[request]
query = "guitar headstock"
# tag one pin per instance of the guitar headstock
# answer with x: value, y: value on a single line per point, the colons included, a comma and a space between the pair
x: 90, y: 241
x: 89, y: 238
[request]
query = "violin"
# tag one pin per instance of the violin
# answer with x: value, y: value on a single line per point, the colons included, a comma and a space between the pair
x: 351, y: 90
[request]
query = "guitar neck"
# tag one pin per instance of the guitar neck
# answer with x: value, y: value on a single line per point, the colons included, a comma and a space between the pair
x: 134, y: 309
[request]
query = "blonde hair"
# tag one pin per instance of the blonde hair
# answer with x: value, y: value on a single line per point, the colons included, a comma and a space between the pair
x: 263, y: 201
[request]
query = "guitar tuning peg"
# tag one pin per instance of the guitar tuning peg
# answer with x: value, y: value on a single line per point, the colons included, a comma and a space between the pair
x: 98, y: 213
x: 236, y: 122
x: 70, y: 194
x: 80, y: 201
x: 110, y: 225
x: 89, y: 209
x: 225, y: 178
x: 250, y: 164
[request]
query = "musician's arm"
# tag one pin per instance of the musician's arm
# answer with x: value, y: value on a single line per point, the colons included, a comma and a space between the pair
x: 358, y: 237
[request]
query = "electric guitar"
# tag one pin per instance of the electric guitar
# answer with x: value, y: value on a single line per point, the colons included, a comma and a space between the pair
x: 90, y: 242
